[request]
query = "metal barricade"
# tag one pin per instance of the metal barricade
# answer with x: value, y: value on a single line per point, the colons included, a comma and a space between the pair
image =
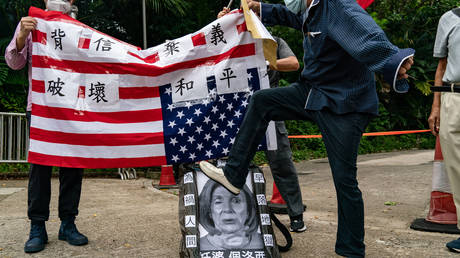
x: 127, y: 173
x: 14, y: 141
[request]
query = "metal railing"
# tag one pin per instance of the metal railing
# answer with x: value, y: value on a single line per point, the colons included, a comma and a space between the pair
x: 14, y: 141
x: 127, y: 173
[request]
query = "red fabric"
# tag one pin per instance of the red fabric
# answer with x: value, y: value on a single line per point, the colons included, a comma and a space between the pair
x: 96, y: 139
x: 134, y: 116
x: 365, y: 3
x: 75, y: 162
x: 39, y: 37
x: 241, y: 27
x: 38, y: 86
x: 149, y: 59
x: 83, y: 43
x: 81, y: 92
x: 138, y: 92
x: 77, y: 66
x: 199, y: 39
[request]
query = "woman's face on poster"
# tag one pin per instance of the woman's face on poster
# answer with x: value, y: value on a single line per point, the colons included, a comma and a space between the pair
x: 228, y: 211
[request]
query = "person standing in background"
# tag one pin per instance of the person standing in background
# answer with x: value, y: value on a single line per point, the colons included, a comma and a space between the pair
x: 18, y: 54
x: 445, y: 110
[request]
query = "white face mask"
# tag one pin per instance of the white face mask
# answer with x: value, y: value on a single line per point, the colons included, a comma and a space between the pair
x: 296, y: 6
x: 58, y: 5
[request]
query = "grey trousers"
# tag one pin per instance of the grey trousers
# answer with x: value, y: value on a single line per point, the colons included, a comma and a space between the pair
x: 284, y: 172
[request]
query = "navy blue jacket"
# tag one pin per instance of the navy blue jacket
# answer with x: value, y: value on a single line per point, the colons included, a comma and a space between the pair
x: 343, y: 47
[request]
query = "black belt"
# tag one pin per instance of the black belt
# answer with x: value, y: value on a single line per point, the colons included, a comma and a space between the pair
x: 447, y: 87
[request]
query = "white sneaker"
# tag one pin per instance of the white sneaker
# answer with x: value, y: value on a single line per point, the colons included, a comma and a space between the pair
x: 217, y: 174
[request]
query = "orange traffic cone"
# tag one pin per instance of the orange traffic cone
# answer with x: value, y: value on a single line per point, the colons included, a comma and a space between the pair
x: 442, y: 216
x: 167, y: 178
x: 442, y: 207
x: 276, y: 196
x: 277, y: 204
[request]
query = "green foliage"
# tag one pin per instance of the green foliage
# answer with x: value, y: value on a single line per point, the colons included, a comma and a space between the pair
x: 381, y: 22
x: 3, y: 71
x: 159, y: 5
x: 14, y: 167
x: 414, y: 24
x: 260, y: 158
x: 13, y: 98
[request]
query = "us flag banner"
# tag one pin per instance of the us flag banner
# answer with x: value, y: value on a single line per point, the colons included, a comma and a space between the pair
x: 101, y: 103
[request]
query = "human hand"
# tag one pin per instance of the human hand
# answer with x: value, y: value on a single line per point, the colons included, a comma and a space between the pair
x: 223, y: 12
x: 434, y: 120
x: 254, y: 6
x: 27, y: 24
x: 407, y: 64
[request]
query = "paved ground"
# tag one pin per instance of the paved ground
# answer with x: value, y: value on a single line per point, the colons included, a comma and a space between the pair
x: 132, y: 219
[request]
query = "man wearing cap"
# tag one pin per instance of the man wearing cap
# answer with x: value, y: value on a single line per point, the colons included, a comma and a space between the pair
x: 445, y: 111
x: 18, y: 54
x: 343, y: 47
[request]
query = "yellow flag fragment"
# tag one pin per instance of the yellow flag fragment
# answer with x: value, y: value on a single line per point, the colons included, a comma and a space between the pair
x: 258, y: 31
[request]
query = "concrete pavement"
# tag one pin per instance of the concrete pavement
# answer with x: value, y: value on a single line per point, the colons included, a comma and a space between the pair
x: 132, y: 219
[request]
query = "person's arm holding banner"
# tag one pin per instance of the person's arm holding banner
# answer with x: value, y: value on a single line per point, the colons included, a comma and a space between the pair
x: 17, y: 52
x: 287, y: 64
x: 393, y: 63
x: 224, y: 11
x: 275, y: 14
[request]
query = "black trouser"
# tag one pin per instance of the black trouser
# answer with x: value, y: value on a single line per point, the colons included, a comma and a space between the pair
x: 341, y: 136
x: 39, y: 191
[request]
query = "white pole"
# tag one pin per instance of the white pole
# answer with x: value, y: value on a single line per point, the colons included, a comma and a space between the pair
x: 230, y: 4
x: 144, y: 24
